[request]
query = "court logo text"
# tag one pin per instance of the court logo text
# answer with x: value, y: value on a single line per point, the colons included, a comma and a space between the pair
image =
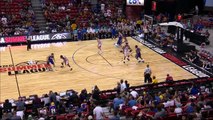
x: 27, y: 67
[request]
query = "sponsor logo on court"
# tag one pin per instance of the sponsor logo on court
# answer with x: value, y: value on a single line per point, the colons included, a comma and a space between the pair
x: 27, y: 67
x: 195, y: 71
x: 151, y: 46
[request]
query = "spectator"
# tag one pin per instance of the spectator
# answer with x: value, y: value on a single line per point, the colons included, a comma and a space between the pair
x: 160, y: 112
x: 132, y: 102
x: 36, y: 104
x: 52, y: 108
x: 123, y: 85
x: 134, y: 93
x: 169, y: 78
x: 96, y: 93
x: 115, y: 116
x: 7, y: 106
x: 98, y: 112
x: 20, y: 107
x: 46, y: 100
x: 15, y: 117
x: 83, y: 95
x: 1, y: 112
x: 117, y: 102
x: 194, y: 90
x: 52, y: 97
x: 154, y: 80
x: 178, y: 109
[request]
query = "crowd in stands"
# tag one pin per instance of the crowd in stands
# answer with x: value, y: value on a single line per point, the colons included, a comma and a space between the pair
x: 74, y: 15
x: 160, y: 36
x: 16, y: 17
x: 152, y: 101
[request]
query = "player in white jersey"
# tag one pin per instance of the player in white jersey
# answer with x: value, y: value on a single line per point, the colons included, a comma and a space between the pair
x: 65, y: 62
x: 99, y: 45
x: 126, y: 51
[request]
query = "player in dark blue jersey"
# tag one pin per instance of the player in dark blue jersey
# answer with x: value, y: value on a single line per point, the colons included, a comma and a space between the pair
x: 120, y: 38
x: 51, y: 59
x: 138, y: 54
x: 113, y: 31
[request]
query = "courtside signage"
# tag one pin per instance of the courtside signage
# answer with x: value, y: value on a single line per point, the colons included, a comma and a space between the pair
x: 44, y: 37
x: 2, y: 40
x: 26, y: 68
x: 172, y: 58
x: 15, y: 39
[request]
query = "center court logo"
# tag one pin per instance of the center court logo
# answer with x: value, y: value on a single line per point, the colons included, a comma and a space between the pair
x: 27, y: 67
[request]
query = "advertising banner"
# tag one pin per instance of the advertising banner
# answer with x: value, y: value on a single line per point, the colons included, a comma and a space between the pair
x: 14, y: 39
x: 53, y: 36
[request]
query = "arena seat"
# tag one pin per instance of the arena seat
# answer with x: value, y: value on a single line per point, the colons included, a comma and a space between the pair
x: 61, y: 117
x: 70, y: 116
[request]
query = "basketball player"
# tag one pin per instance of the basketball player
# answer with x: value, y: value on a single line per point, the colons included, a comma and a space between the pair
x: 119, y: 42
x: 65, y: 62
x: 99, y: 45
x: 113, y: 32
x: 138, y: 54
x: 51, y: 59
x: 125, y: 40
x: 126, y: 51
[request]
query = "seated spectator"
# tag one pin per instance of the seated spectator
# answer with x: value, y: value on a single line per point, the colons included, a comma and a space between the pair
x: 115, y: 116
x: 207, y: 34
x: 134, y: 93
x: 154, y: 80
x: 178, y: 109
x: 169, y: 78
x: 132, y: 102
x: 7, y: 106
x: 96, y: 93
x: 160, y: 113
x: 117, y: 102
x: 52, y: 108
x: 15, y: 117
x: 190, y: 108
x: 36, y: 104
x: 194, y: 90
x: 1, y: 112
x: 46, y: 100
x: 169, y: 103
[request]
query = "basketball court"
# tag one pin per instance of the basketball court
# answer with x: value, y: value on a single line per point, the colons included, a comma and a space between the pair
x: 89, y: 68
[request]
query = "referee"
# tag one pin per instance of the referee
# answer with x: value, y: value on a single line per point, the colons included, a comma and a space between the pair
x: 28, y: 43
x: 147, y: 74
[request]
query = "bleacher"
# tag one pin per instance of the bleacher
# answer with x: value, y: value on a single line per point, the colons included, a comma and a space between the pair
x: 16, y: 16
x: 73, y: 102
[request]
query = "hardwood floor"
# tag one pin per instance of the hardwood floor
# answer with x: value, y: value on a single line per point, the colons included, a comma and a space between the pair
x: 89, y: 68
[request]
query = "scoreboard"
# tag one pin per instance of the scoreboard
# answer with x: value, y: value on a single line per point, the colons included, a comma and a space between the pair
x: 135, y: 2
